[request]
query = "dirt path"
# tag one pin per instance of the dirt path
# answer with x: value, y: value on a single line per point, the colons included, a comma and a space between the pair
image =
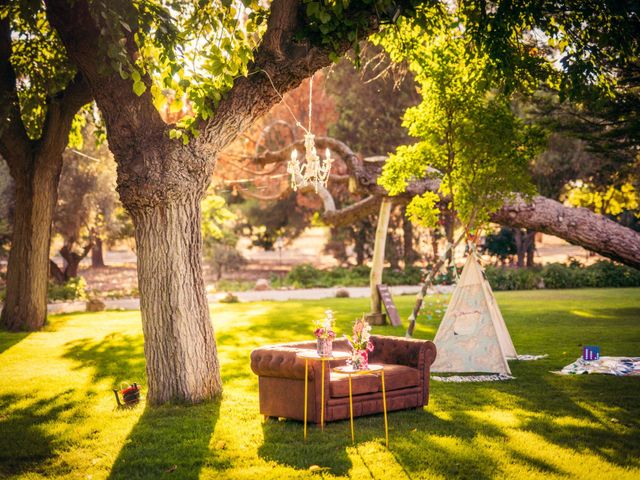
x: 251, y: 296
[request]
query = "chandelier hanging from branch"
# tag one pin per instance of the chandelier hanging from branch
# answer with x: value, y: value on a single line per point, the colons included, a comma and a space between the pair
x: 314, y: 171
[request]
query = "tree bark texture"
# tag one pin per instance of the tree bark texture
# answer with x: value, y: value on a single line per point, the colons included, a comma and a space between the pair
x: 25, y: 305
x: 578, y: 226
x: 180, y: 348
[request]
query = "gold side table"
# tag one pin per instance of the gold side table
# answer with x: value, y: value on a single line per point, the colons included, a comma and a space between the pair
x: 313, y: 355
x: 375, y: 369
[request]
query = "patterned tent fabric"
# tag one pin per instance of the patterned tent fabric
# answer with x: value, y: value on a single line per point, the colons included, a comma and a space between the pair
x: 618, y: 366
x: 473, y: 336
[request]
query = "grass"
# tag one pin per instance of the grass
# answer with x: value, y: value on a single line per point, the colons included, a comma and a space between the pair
x: 57, y: 416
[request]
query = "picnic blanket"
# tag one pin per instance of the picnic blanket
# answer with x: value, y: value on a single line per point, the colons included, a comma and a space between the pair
x: 618, y: 366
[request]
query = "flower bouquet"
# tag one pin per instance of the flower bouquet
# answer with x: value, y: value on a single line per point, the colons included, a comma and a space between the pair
x: 360, y: 344
x: 325, y: 334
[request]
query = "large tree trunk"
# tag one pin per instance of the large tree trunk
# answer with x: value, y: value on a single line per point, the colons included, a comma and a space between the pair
x: 531, y: 250
x: 97, y: 257
x: 360, y: 241
x: 524, y: 240
x: 25, y: 305
x: 180, y: 348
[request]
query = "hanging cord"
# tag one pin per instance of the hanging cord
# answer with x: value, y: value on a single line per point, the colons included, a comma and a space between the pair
x: 310, y: 101
x: 298, y: 123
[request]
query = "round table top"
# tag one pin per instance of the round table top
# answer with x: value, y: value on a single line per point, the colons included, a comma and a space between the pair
x: 313, y: 355
x: 373, y: 368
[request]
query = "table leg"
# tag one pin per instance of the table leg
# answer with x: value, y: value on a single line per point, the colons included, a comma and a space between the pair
x: 384, y: 407
x: 322, y: 398
x: 306, y: 393
x: 353, y: 437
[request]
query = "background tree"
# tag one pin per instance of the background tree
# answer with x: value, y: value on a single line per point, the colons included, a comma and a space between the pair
x: 40, y: 93
x: 87, y: 202
x: 370, y: 102
x: 218, y: 237
x: 469, y: 139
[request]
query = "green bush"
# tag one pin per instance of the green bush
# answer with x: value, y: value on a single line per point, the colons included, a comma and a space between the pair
x: 502, y: 278
x: 554, y: 275
x: 74, y: 289
x: 608, y: 274
x: 601, y: 274
x: 307, y: 276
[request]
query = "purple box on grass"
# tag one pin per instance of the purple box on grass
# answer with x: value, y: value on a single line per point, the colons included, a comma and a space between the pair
x: 591, y: 352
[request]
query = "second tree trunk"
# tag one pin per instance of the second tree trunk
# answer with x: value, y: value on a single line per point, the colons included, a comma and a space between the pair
x: 25, y: 306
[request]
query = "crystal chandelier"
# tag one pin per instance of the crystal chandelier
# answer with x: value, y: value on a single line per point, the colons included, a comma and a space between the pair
x: 314, y: 171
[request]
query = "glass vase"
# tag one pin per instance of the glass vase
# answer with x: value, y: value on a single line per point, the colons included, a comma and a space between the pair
x: 360, y: 360
x: 325, y: 347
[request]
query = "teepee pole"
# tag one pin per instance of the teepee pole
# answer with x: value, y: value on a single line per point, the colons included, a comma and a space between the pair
x: 427, y: 283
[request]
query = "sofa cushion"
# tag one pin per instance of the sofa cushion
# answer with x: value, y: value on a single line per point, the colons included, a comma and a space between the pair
x: 396, y: 377
x: 361, y: 384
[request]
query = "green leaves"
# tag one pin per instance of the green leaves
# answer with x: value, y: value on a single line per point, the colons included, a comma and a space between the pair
x: 39, y: 61
x: 468, y: 135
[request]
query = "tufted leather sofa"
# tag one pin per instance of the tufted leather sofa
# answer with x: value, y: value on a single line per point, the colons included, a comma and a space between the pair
x: 281, y: 379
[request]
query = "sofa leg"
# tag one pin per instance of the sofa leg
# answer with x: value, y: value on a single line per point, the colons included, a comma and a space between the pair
x: 268, y: 418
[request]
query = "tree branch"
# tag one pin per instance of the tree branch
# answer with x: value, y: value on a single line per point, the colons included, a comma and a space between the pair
x: 578, y: 226
x: 60, y: 112
x: 280, y: 65
x: 14, y: 141
x: 134, y: 117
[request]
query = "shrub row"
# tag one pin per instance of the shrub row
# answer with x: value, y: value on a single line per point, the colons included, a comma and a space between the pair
x: 308, y: 276
x: 555, y: 275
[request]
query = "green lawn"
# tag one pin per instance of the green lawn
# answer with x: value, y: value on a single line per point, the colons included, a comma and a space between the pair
x: 57, y: 416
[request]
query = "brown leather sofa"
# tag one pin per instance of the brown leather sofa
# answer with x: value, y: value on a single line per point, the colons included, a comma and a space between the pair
x: 280, y: 373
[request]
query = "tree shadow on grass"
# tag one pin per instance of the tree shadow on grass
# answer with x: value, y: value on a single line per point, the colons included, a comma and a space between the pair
x: 9, y: 339
x: 25, y: 445
x: 117, y: 356
x: 609, y: 429
x: 567, y: 412
x: 171, y: 439
x: 413, y: 438
x: 422, y: 442
x: 284, y: 443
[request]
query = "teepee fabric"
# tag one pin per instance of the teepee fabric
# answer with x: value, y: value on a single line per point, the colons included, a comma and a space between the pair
x: 473, y: 336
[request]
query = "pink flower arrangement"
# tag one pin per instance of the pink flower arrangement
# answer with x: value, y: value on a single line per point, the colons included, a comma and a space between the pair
x: 324, y: 328
x: 361, y: 339
x: 360, y: 344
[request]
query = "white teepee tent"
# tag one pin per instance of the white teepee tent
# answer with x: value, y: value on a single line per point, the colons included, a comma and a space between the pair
x: 473, y: 336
